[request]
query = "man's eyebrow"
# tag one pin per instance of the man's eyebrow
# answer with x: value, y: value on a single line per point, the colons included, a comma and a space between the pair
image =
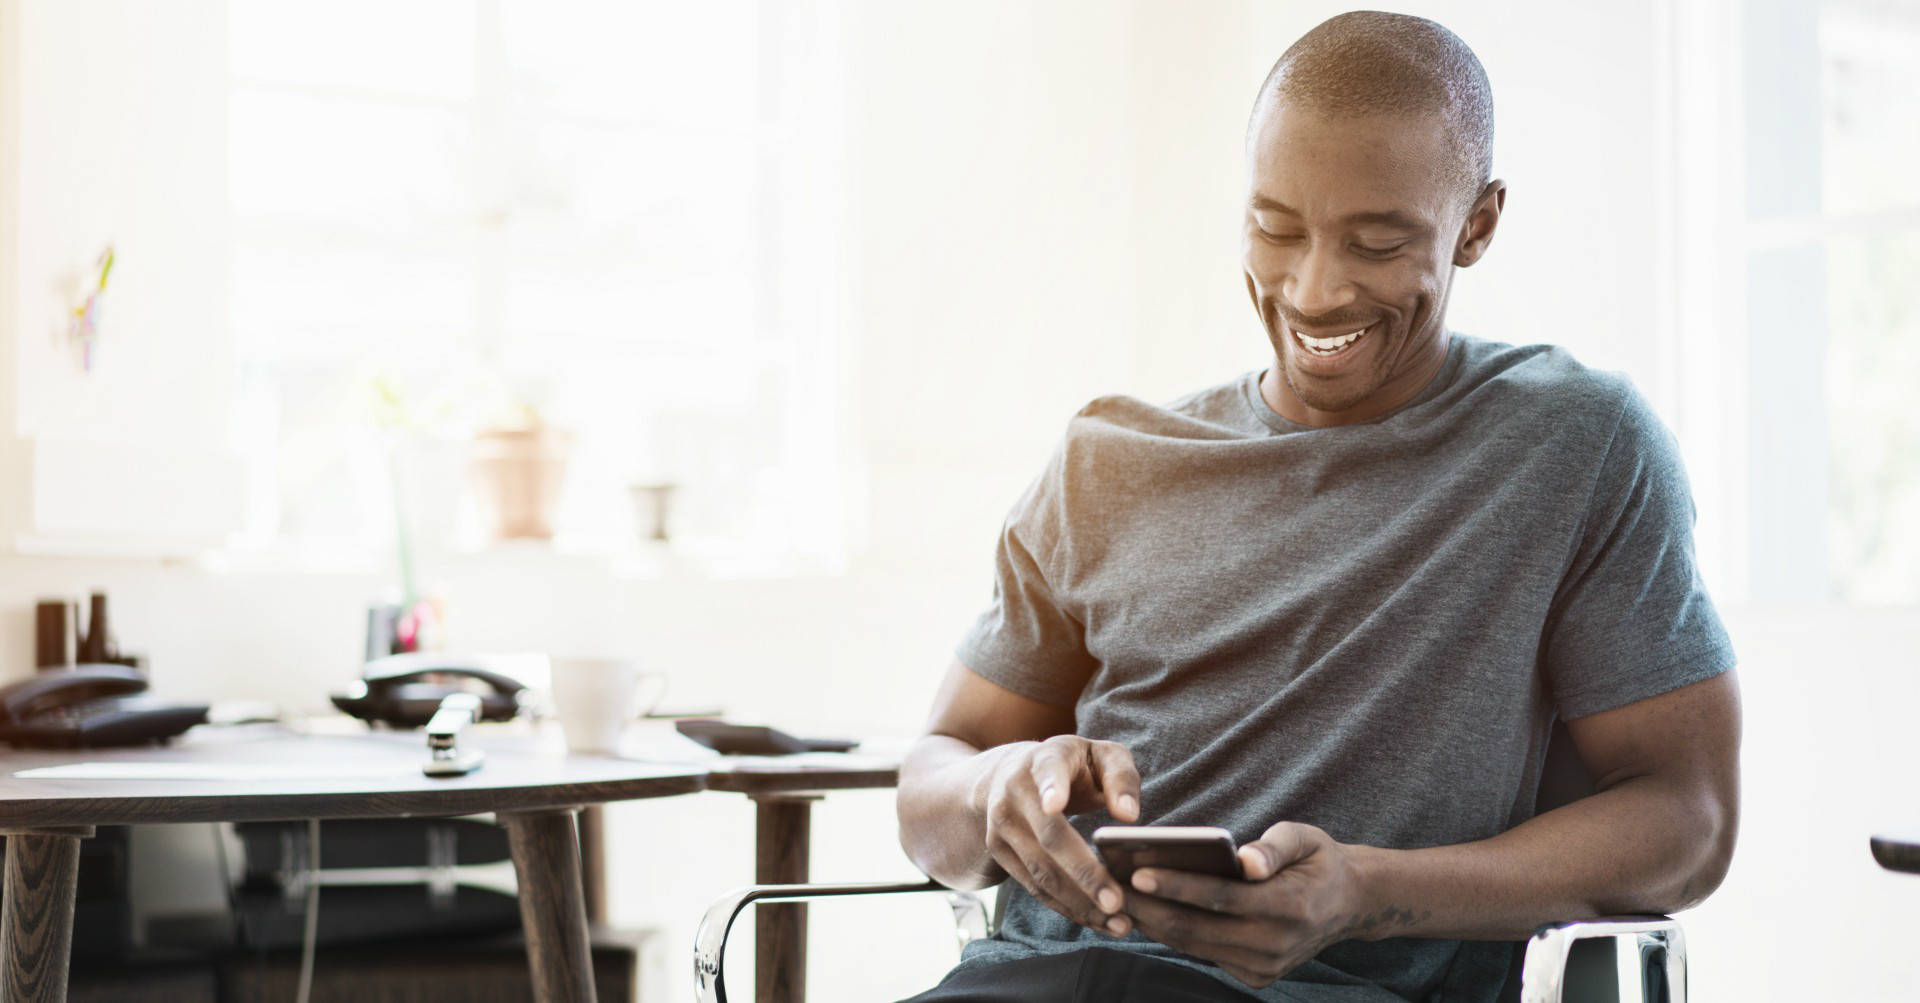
x: 1265, y: 204
x: 1384, y: 217
x: 1390, y: 217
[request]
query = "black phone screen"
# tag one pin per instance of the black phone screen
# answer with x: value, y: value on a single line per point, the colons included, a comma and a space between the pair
x: 1201, y: 854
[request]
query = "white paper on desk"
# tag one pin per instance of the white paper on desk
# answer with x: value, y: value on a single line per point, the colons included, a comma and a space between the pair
x: 816, y: 760
x: 207, y: 771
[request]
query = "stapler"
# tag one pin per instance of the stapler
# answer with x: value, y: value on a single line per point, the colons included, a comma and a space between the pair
x: 444, y: 756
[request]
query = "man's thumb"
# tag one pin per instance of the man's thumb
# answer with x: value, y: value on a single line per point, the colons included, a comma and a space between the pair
x: 1280, y: 847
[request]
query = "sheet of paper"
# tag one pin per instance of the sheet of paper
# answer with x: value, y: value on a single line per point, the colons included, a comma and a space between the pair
x: 212, y: 771
x: 813, y: 760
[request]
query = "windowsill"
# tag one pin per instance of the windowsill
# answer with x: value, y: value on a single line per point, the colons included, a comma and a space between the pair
x: 111, y: 548
x: 678, y: 560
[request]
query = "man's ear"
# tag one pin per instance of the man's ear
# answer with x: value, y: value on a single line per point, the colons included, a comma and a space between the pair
x: 1477, y: 232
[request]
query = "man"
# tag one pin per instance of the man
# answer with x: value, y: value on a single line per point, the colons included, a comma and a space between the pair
x: 1335, y: 607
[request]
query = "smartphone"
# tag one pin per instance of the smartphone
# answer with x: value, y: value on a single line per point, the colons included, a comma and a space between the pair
x: 1203, y: 849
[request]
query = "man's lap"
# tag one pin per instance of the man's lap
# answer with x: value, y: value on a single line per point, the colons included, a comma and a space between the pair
x: 1092, y: 975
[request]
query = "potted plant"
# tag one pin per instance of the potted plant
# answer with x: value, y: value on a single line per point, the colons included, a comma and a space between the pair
x: 519, y: 464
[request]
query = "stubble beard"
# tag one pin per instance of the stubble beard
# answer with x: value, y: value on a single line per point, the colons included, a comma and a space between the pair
x: 1311, y: 394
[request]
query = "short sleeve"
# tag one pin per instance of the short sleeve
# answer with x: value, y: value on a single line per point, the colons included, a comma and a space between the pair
x: 1631, y: 618
x: 1026, y: 640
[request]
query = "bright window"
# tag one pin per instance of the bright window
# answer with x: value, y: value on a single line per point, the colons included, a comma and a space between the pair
x: 609, y: 211
x: 1832, y: 252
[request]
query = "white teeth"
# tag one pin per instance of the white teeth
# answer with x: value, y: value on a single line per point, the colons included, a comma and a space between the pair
x: 1329, y: 345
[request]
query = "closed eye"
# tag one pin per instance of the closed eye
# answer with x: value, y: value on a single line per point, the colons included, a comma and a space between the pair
x: 1282, y: 237
x: 1378, y: 252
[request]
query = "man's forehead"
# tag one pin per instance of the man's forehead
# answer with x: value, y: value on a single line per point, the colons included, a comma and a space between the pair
x: 1384, y: 215
x: 1378, y: 166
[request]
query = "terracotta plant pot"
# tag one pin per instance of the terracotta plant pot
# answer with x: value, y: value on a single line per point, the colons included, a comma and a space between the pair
x: 517, y: 474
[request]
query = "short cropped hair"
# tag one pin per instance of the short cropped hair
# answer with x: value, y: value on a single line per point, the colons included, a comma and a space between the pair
x: 1371, y: 63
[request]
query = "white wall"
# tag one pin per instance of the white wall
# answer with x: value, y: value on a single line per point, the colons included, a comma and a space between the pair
x: 1044, y: 211
x: 116, y: 135
x: 1805, y: 913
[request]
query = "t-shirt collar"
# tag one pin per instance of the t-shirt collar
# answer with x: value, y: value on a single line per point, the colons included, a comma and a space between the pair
x: 1257, y: 403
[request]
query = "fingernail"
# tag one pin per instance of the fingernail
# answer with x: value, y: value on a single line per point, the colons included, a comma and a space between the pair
x: 1109, y: 900
x: 1046, y: 794
x: 1117, y: 926
x: 1145, y: 882
x: 1128, y: 806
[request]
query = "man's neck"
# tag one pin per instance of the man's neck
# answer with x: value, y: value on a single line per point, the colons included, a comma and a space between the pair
x: 1398, y: 390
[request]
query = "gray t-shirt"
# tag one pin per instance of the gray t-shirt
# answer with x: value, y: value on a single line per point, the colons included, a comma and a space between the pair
x: 1369, y: 628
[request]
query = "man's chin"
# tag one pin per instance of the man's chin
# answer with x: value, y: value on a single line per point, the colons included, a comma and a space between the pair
x: 1315, y: 392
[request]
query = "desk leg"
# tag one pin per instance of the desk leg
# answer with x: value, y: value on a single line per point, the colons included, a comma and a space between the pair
x: 36, y: 924
x: 783, y: 843
x: 593, y: 861
x: 546, y: 857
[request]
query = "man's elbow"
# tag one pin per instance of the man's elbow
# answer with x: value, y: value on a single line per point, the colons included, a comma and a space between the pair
x: 1703, y: 853
x: 1716, y: 857
x: 1690, y: 856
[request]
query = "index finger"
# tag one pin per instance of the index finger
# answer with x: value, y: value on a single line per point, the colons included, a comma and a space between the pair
x: 1075, y: 858
x: 1052, y: 772
x: 1119, y: 780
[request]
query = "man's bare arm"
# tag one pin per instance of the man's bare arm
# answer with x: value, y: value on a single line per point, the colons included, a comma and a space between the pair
x: 1657, y: 837
x: 985, y: 795
x: 974, y: 723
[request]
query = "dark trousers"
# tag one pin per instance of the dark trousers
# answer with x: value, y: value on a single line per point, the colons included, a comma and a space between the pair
x: 1093, y: 975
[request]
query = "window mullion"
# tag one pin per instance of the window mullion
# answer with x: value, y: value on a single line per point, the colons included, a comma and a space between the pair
x: 491, y: 166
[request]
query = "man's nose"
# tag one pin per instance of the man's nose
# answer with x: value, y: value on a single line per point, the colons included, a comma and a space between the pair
x: 1318, y: 287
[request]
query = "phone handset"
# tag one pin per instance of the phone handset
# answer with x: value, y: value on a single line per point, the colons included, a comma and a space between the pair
x: 53, y: 689
x: 416, y: 665
x: 90, y: 705
x: 405, y: 690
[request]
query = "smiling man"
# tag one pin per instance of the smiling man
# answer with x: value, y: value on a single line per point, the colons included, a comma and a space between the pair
x: 1335, y: 607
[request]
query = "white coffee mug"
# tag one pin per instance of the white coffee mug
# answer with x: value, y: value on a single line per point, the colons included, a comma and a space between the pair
x: 596, y: 698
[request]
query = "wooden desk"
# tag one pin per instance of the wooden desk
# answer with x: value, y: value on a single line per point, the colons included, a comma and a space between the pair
x: 783, y: 792
x: 534, y: 792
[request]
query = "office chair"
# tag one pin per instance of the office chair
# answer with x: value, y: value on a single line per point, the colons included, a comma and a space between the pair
x: 1572, y: 962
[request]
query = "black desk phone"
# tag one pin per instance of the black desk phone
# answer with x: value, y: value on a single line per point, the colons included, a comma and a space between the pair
x: 405, y: 690
x: 90, y: 705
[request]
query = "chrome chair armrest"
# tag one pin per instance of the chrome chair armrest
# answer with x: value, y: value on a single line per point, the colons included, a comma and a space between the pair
x: 1660, y: 941
x: 710, y: 943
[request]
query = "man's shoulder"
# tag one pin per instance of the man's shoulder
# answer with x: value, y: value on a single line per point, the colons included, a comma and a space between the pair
x: 1113, y: 439
x: 1539, y: 372
x: 1541, y: 384
x: 1217, y: 412
x: 1191, y: 413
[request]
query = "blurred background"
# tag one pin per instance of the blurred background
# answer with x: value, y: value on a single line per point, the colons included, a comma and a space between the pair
x: 723, y: 334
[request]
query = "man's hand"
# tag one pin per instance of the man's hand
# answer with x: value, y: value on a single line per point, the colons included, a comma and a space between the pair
x: 1302, y: 892
x: 1026, y: 800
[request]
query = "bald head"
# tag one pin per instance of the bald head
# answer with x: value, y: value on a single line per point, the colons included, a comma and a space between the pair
x: 1369, y: 63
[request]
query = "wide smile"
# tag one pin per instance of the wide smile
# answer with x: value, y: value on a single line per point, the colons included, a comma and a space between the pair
x: 1331, y: 351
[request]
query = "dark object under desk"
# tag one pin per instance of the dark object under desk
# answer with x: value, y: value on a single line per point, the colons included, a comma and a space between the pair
x: 438, y: 970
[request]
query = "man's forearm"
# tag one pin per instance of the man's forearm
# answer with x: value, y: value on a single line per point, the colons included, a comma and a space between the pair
x: 942, y: 819
x: 1640, y: 846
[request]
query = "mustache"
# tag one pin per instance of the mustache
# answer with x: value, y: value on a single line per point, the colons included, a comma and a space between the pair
x: 1347, y: 321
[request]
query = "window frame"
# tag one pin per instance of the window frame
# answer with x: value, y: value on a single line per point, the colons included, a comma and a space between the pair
x: 795, y: 275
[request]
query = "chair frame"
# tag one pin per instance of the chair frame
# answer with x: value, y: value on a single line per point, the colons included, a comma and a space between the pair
x: 1542, y: 975
x: 1659, y: 939
x: 710, y: 943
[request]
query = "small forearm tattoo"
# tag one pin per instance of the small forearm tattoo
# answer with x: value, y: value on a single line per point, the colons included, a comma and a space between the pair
x: 1385, y: 921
